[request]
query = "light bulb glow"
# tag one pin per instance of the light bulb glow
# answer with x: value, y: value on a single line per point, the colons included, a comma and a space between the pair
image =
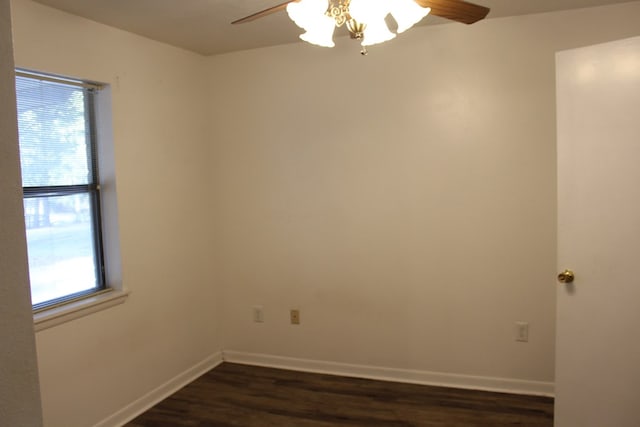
x: 376, y: 32
x: 319, y: 26
x: 366, y: 11
x: 372, y: 13
x: 310, y: 16
x: 407, y: 13
x: 305, y: 12
x: 321, y: 34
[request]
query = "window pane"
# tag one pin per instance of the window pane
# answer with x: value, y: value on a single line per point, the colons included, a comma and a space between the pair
x: 60, y: 240
x: 54, y: 144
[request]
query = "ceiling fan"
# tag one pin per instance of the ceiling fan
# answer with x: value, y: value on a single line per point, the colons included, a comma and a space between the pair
x: 367, y: 20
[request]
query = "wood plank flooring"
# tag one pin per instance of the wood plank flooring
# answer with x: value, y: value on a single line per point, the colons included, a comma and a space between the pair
x: 239, y: 395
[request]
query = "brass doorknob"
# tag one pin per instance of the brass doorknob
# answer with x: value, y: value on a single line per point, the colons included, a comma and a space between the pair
x: 566, y: 276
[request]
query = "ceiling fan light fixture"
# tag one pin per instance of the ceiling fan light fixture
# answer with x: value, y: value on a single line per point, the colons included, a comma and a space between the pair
x: 310, y: 15
x: 321, y: 34
x: 366, y: 19
x: 367, y: 11
x: 407, y: 13
x: 376, y: 32
x: 372, y: 14
x: 305, y: 12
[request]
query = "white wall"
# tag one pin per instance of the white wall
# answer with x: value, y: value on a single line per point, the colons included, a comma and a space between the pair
x: 404, y: 201
x: 19, y: 394
x: 92, y: 367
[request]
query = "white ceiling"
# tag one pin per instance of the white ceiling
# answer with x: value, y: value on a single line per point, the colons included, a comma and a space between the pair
x: 203, y: 26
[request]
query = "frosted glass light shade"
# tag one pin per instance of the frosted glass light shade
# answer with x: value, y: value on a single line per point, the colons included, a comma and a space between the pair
x: 322, y: 33
x: 376, y: 32
x: 305, y: 12
x: 310, y: 16
x: 407, y: 13
x: 367, y: 11
x: 372, y: 13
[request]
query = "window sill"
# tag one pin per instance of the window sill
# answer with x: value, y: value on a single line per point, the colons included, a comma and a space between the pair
x: 77, y: 309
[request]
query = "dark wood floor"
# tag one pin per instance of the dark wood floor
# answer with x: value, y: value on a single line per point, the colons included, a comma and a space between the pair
x: 238, y: 395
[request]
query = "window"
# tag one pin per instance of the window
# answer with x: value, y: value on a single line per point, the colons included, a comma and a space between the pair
x: 57, y: 134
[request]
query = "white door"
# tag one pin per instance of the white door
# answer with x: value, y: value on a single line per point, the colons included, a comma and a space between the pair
x: 598, y: 315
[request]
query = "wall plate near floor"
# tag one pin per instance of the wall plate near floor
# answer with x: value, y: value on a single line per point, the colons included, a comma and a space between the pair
x: 522, y: 331
x: 258, y: 314
x: 295, y: 317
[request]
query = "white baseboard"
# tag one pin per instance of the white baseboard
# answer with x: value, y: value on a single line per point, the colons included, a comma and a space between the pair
x: 161, y: 392
x: 504, y: 385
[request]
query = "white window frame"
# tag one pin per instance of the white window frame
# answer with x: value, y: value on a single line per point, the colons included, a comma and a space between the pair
x: 111, y: 292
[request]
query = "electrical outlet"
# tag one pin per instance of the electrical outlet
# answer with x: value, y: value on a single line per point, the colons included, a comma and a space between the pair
x: 258, y: 314
x: 295, y: 317
x: 522, y: 331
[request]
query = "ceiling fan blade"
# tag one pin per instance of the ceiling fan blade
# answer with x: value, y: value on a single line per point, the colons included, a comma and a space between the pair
x: 456, y: 10
x: 263, y: 13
